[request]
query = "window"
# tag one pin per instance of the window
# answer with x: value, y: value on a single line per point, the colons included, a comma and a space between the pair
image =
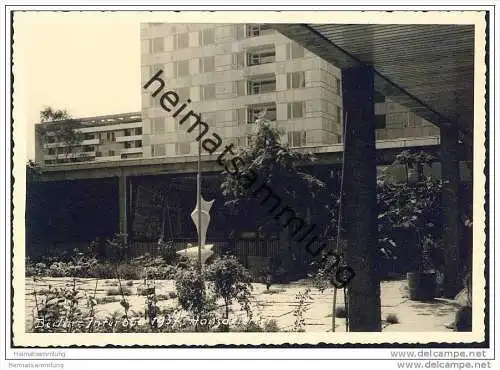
x: 98, y: 154
x: 138, y: 130
x: 181, y: 40
x: 243, y: 141
x: 183, y: 93
x: 209, y: 118
x: 397, y: 119
x: 158, y: 125
x: 127, y: 145
x: 110, y: 136
x: 295, y: 80
x: 127, y: 132
x: 207, y: 36
x: 182, y: 148
x: 297, y: 138
x: 239, y: 88
x: 207, y: 92
x: 156, y: 45
x: 258, y: 30
x: 138, y: 143
x: 380, y: 121
x: 261, y: 56
x: 339, y: 114
x: 266, y: 111
x: 181, y: 68
x: 238, y: 60
x: 111, y: 153
x: 240, y: 116
x: 89, y: 136
x: 238, y: 31
x: 155, y: 68
x: 262, y: 85
x: 294, y: 51
x: 378, y: 97
x: 337, y: 86
x: 51, y: 151
x: 207, y: 64
x: 295, y: 110
x: 158, y: 150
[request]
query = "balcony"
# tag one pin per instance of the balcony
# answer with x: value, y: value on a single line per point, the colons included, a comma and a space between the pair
x: 122, y: 139
x: 261, y: 55
x: 254, y: 30
x: 262, y: 84
x: 266, y: 111
x: 61, y: 156
x: 131, y: 150
x: 62, y: 145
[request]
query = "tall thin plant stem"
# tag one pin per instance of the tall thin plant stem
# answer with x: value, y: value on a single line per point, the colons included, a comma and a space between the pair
x: 339, y: 221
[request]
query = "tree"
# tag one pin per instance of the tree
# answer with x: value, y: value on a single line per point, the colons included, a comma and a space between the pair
x: 33, y: 170
x: 62, y: 131
x: 278, y: 183
x: 230, y: 281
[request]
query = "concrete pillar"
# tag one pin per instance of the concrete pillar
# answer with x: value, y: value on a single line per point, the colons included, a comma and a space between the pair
x: 359, y: 219
x: 122, y: 203
x: 451, y: 215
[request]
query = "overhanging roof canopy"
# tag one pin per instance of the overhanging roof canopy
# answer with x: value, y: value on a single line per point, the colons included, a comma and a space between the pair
x: 427, y: 68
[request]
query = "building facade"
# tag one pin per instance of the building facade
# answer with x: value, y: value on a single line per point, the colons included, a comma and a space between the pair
x: 232, y: 73
x: 105, y: 138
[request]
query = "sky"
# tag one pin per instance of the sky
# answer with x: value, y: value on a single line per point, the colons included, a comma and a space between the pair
x: 87, y: 65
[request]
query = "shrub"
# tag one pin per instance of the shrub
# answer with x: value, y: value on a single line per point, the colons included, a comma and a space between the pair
x: 118, y: 291
x: 102, y: 270
x: 392, y: 318
x: 271, y: 326
x: 231, y: 281
x: 129, y: 272
x: 191, y: 290
x: 340, y: 312
x: 192, y: 296
x: 303, y: 299
x: 107, y: 299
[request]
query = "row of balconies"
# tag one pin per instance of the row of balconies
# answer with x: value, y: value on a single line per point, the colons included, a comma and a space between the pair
x: 95, y: 141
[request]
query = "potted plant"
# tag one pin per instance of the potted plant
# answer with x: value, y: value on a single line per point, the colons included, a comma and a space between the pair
x: 409, y: 223
x: 422, y: 281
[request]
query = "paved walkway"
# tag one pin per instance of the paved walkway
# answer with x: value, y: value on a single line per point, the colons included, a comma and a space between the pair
x: 278, y: 304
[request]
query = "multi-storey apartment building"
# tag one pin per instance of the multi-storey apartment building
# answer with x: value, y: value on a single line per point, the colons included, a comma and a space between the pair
x: 231, y: 73
x: 105, y: 138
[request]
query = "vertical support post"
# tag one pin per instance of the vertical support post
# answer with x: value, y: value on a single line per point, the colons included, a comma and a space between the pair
x: 451, y: 216
x: 198, y: 197
x: 359, y: 199
x: 122, y: 203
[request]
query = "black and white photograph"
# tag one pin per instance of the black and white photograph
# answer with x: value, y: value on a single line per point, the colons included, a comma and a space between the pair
x: 263, y: 178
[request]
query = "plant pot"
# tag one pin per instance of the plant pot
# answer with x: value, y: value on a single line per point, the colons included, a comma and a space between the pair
x: 421, y: 285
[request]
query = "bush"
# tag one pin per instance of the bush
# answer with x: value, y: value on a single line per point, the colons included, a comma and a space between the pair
x: 129, y: 272
x: 102, y: 270
x: 340, y: 312
x: 191, y: 290
x: 231, y: 281
x: 117, y: 291
x: 271, y: 326
x: 392, y: 318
